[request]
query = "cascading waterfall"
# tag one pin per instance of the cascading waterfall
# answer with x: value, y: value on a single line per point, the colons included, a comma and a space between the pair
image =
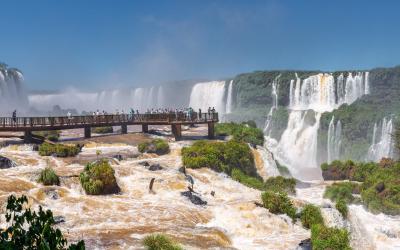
x: 229, y: 101
x: 381, y: 146
x: 208, y: 94
x: 308, y: 99
x: 12, y: 94
x: 334, y: 140
x: 274, y: 93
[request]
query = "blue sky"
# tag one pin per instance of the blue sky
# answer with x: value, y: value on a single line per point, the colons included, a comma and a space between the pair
x: 105, y: 44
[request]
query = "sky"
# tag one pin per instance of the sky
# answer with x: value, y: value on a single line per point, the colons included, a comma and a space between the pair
x: 106, y: 44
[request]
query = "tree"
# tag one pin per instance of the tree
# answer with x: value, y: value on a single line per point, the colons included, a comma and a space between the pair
x: 31, y: 230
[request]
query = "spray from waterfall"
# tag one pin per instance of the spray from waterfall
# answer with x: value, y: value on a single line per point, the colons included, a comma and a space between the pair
x: 229, y: 101
x: 334, y: 140
x: 382, y: 142
x: 12, y: 94
x: 208, y: 94
x: 274, y: 94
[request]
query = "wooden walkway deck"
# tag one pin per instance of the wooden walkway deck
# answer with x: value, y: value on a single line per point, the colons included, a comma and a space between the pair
x: 29, y: 124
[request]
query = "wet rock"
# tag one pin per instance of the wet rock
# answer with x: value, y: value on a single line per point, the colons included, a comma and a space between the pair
x: 59, y: 219
x: 52, y: 194
x: 194, y: 198
x: 388, y: 232
x: 144, y: 163
x: 155, y: 167
x: 6, y: 163
x: 213, y: 193
x: 35, y: 147
x: 380, y: 187
x: 305, y: 245
x: 182, y: 170
x: 190, y: 179
x: 326, y: 205
x: 118, y: 157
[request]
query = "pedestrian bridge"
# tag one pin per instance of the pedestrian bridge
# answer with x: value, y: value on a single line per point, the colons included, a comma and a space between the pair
x: 29, y: 124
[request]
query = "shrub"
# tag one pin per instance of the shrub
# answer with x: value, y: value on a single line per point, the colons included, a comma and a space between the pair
x: 323, y: 238
x: 98, y: 178
x: 157, y: 146
x: 160, y: 242
x: 220, y: 156
x: 48, y: 177
x: 341, y: 191
x: 246, y: 180
x: 341, y: 206
x: 51, y: 135
x: 311, y: 215
x: 241, y: 132
x: 283, y: 170
x: 31, y: 230
x: 59, y: 150
x: 103, y: 130
x: 338, y: 170
x: 278, y: 203
x: 281, y: 184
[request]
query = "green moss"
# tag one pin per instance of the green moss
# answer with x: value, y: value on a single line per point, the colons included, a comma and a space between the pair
x: 48, y: 177
x: 278, y: 203
x: 311, y: 215
x: 246, y: 180
x: 160, y: 242
x: 341, y: 191
x: 157, y: 146
x: 59, y: 150
x: 281, y: 184
x: 341, y: 206
x: 323, y: 238
x: 98, y: 178
x: 240, y: 132
x: 103, y: 130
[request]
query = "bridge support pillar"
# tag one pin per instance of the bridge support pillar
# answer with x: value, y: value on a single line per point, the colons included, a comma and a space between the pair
x: 177, y: 131
x: 145, y: 128
x: 211, y: 130
x: 27, y: 136
x: 124, y: 129
x: 88, y: 132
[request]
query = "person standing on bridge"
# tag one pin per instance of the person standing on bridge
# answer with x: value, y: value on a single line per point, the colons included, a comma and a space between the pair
x: 14, y: 116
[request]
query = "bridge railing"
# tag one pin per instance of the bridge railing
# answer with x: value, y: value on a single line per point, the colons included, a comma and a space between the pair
x: 93, y: 120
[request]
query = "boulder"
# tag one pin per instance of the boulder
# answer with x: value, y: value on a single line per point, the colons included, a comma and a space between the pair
x: 144, y: 163
x: 59, y: 219
x: 6, y: 163
x: 155, y: 167
x: 194, y: 198
x: 118, y: 157
x: 52, y: 194
x: 305, y: 245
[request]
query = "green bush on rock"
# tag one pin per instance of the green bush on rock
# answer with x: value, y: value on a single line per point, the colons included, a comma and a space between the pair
x: 246, y: 180
x: 341, y: 206
x: 241, y: 132
x: 323, y: 238
x: 160, y: 242
x: 311, y: 215
x: 278, y: 203
x: 48, y: 177
x: 281, y: 184
x: 59, y: 150
x: 98, y: 178
x: 342, y: 191
x: 157, y: 146
x: 103, y: 130
x: 51, y: 135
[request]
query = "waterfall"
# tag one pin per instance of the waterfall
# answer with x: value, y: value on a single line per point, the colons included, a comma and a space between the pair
x: 381, y: 146
x: 229, y: 101
x: 308, y: 99
x: 208, y: 94
x: 12, y: 94
x: 274, y: 94
x: 334, y: 140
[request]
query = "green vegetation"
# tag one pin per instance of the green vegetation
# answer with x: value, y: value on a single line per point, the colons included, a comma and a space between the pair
x: 32, y: 230
x: 157, y: 146
x: 160, y: 242
x: 59, y: 150
x: 103, y: 130
x: 283, y: 170
x: 98, y: 178
x: 281, y: 184
x: 311, y: 215
x: 323, y: 238
x: 341, y: 206
x: 48, y: 177
x: 380, y: 190
x: 278, y: 203
x: 348, y: 170
x: 246, y: 180
x: 51, y: 135
x: 342, y: 191
x: 240, y: 132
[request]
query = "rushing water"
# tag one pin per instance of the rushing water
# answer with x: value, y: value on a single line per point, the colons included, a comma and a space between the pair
x: 208, y: 94
x: 229, y: 98
x: 12, y: 94
x: 334, y: 139
x: 274, y: 94
x: 382, y: 142
x: 308, y: 99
